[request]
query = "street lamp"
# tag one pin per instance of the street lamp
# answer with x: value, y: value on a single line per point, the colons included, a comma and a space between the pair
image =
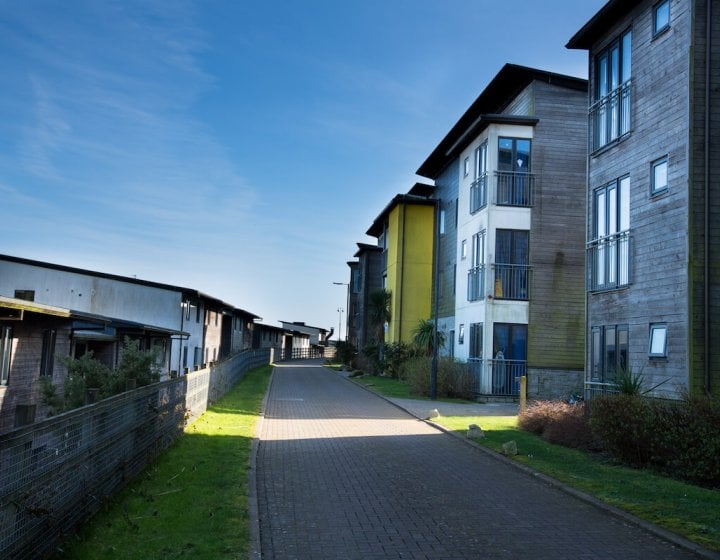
x: 340, y: 312
x: 347, y: 307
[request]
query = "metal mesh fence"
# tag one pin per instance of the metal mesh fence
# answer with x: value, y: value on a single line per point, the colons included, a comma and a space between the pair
x: 56, y: 473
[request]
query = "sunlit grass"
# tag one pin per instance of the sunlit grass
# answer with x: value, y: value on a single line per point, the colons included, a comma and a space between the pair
x: 687, y: 510
x: 193, y: 502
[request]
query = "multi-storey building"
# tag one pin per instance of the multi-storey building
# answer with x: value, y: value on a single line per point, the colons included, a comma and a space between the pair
x: 405, y: 231
x: 365, y: 277
x: 653, y: 229
x: 509, y: 177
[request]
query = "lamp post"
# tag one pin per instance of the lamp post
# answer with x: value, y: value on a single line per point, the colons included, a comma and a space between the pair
x: 347, y: 308
x: 340, y: 312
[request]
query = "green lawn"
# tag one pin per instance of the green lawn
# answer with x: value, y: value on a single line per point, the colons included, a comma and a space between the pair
x: 687, y: 510
x: 193, y: 502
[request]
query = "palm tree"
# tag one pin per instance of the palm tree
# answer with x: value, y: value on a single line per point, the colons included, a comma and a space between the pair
x: 379, y: 312
x: 423, y: 337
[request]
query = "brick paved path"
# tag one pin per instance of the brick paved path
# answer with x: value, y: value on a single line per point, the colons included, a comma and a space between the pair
x: 343, y: 474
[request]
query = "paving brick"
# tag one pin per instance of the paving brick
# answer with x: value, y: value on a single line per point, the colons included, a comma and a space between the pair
x: 344, y: 474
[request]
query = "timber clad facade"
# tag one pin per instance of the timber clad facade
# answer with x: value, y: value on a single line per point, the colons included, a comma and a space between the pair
x: 365, y: 277
x: 647, y: 274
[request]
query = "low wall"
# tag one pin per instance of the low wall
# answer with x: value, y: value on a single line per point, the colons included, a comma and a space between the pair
x: 552, y: 384
x: 58, y: 472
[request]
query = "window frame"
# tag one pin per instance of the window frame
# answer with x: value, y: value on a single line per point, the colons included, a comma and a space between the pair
x: 475, y: 350
x: 657, y: 31
x: 47, y: 358
x: 656, y: 328
x: 599, y: 370
x: 6, y: 338
x: 461, y: 333
x: 466, y: 166
x: 654, y: 189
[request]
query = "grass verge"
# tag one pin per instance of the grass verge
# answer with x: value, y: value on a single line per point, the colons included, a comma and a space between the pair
x: 192, y: 503
x: 687, y: 510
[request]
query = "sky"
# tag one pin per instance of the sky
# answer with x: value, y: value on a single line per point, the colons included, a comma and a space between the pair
x: 241, y: 148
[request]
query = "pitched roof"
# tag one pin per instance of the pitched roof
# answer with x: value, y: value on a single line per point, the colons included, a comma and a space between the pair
x: 503, y: 88
x: 600, y: 23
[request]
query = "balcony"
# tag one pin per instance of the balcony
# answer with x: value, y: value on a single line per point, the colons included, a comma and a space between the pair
x: 478, y: 194
x: 476, y: 283
x: 610, y: 116
x: 514, y: 188
x: 496, y: 377
x: 608, y: 261
x: 512, y: 281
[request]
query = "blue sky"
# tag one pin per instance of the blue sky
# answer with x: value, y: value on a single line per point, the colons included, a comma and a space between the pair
x: 241, y: 148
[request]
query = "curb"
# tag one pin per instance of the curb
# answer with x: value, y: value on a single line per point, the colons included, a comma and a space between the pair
x: 629, y: 518
x: 255, y: 548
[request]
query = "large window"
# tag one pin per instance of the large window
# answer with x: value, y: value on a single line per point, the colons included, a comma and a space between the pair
x: 476, y: 274
x: 512, y: 270
x: 609, y: 250
x: 5, y: 349
x: 610, y: 114
x: 514, y: 181
x: 609, y: 352
x: 478, y: 189
x: 47, y: 359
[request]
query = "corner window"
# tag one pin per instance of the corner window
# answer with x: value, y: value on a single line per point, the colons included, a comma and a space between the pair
x: 461, y: 334
x: 659, y: 176
x: 658, y: 341
x: 661, y: 17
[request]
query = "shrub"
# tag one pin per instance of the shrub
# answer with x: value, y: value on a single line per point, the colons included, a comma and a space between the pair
x: 344, y: 352
x: 393, y: 356
x: 678, y: 439
x: 453, y: 377
x: 559, y: 422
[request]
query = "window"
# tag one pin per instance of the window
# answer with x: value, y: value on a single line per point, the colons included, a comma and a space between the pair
x: 514, y: 182
x: 466, y: 167
x: 47, y: 358
x: 476, y: 274
x: 185, y: 357
x: 463, y: 249
x: 478, y: 190
x: 659, y: 176
x: 609, y: 251
x: 451, y: 346
x: 5, y: 349
x: 512, y: 270
x: 658, y: 341
x: 610, y: 114
x: 442, y: 222
x: 608, y: 352
x: 476, y: 341
x: 661, y: 17
x: 461, y: 334
x: 27, y: 295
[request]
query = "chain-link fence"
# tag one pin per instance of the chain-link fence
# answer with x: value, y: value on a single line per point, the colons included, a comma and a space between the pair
x: 56, y: 473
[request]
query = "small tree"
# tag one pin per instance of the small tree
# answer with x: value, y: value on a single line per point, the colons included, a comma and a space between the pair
x: 85, y: 373
x: 423, y: 336
x: 140, y: 365
x: 379, y: 311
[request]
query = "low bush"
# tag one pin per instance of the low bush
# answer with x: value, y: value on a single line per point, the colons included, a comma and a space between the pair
x: 559, y: 422
x: 678, y: 439
x: 344, y: 352
x: 453, y: 378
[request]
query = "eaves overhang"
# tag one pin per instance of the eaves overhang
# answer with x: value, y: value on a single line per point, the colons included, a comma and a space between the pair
x: 600, y: 23
x: 504, y: 87
x: 377, y: 226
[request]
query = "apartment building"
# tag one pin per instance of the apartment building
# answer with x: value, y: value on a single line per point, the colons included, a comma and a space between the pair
x: 405, y: 233
x: 653, y: 228
x: 366, y: 275
x: 509, y: 179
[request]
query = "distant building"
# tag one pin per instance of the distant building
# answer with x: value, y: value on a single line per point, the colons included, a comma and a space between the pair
x: 405, y: 232
x: 365, y: 277
x: 653, y: 231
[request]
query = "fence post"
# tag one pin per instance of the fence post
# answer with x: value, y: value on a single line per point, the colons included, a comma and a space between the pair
x: 523, y: 393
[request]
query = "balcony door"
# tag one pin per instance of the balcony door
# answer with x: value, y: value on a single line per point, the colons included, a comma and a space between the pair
x: 509, y: 357
x: 511, y: 264
x: 513, y: 171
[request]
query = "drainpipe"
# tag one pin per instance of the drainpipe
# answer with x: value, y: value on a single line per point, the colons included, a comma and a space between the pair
x: 706, y: 178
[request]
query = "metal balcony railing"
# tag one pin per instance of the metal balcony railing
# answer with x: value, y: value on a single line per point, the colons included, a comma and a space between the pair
x: 608, y: 261
x: 476, y: 283
x: 478, y: 193
x: 610, y: 116
x: 514, y: 188
x: 512, y: 281
x: 596, y: 388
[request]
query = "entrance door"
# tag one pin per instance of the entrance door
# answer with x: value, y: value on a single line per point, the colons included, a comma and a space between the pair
x: 509, y: 357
